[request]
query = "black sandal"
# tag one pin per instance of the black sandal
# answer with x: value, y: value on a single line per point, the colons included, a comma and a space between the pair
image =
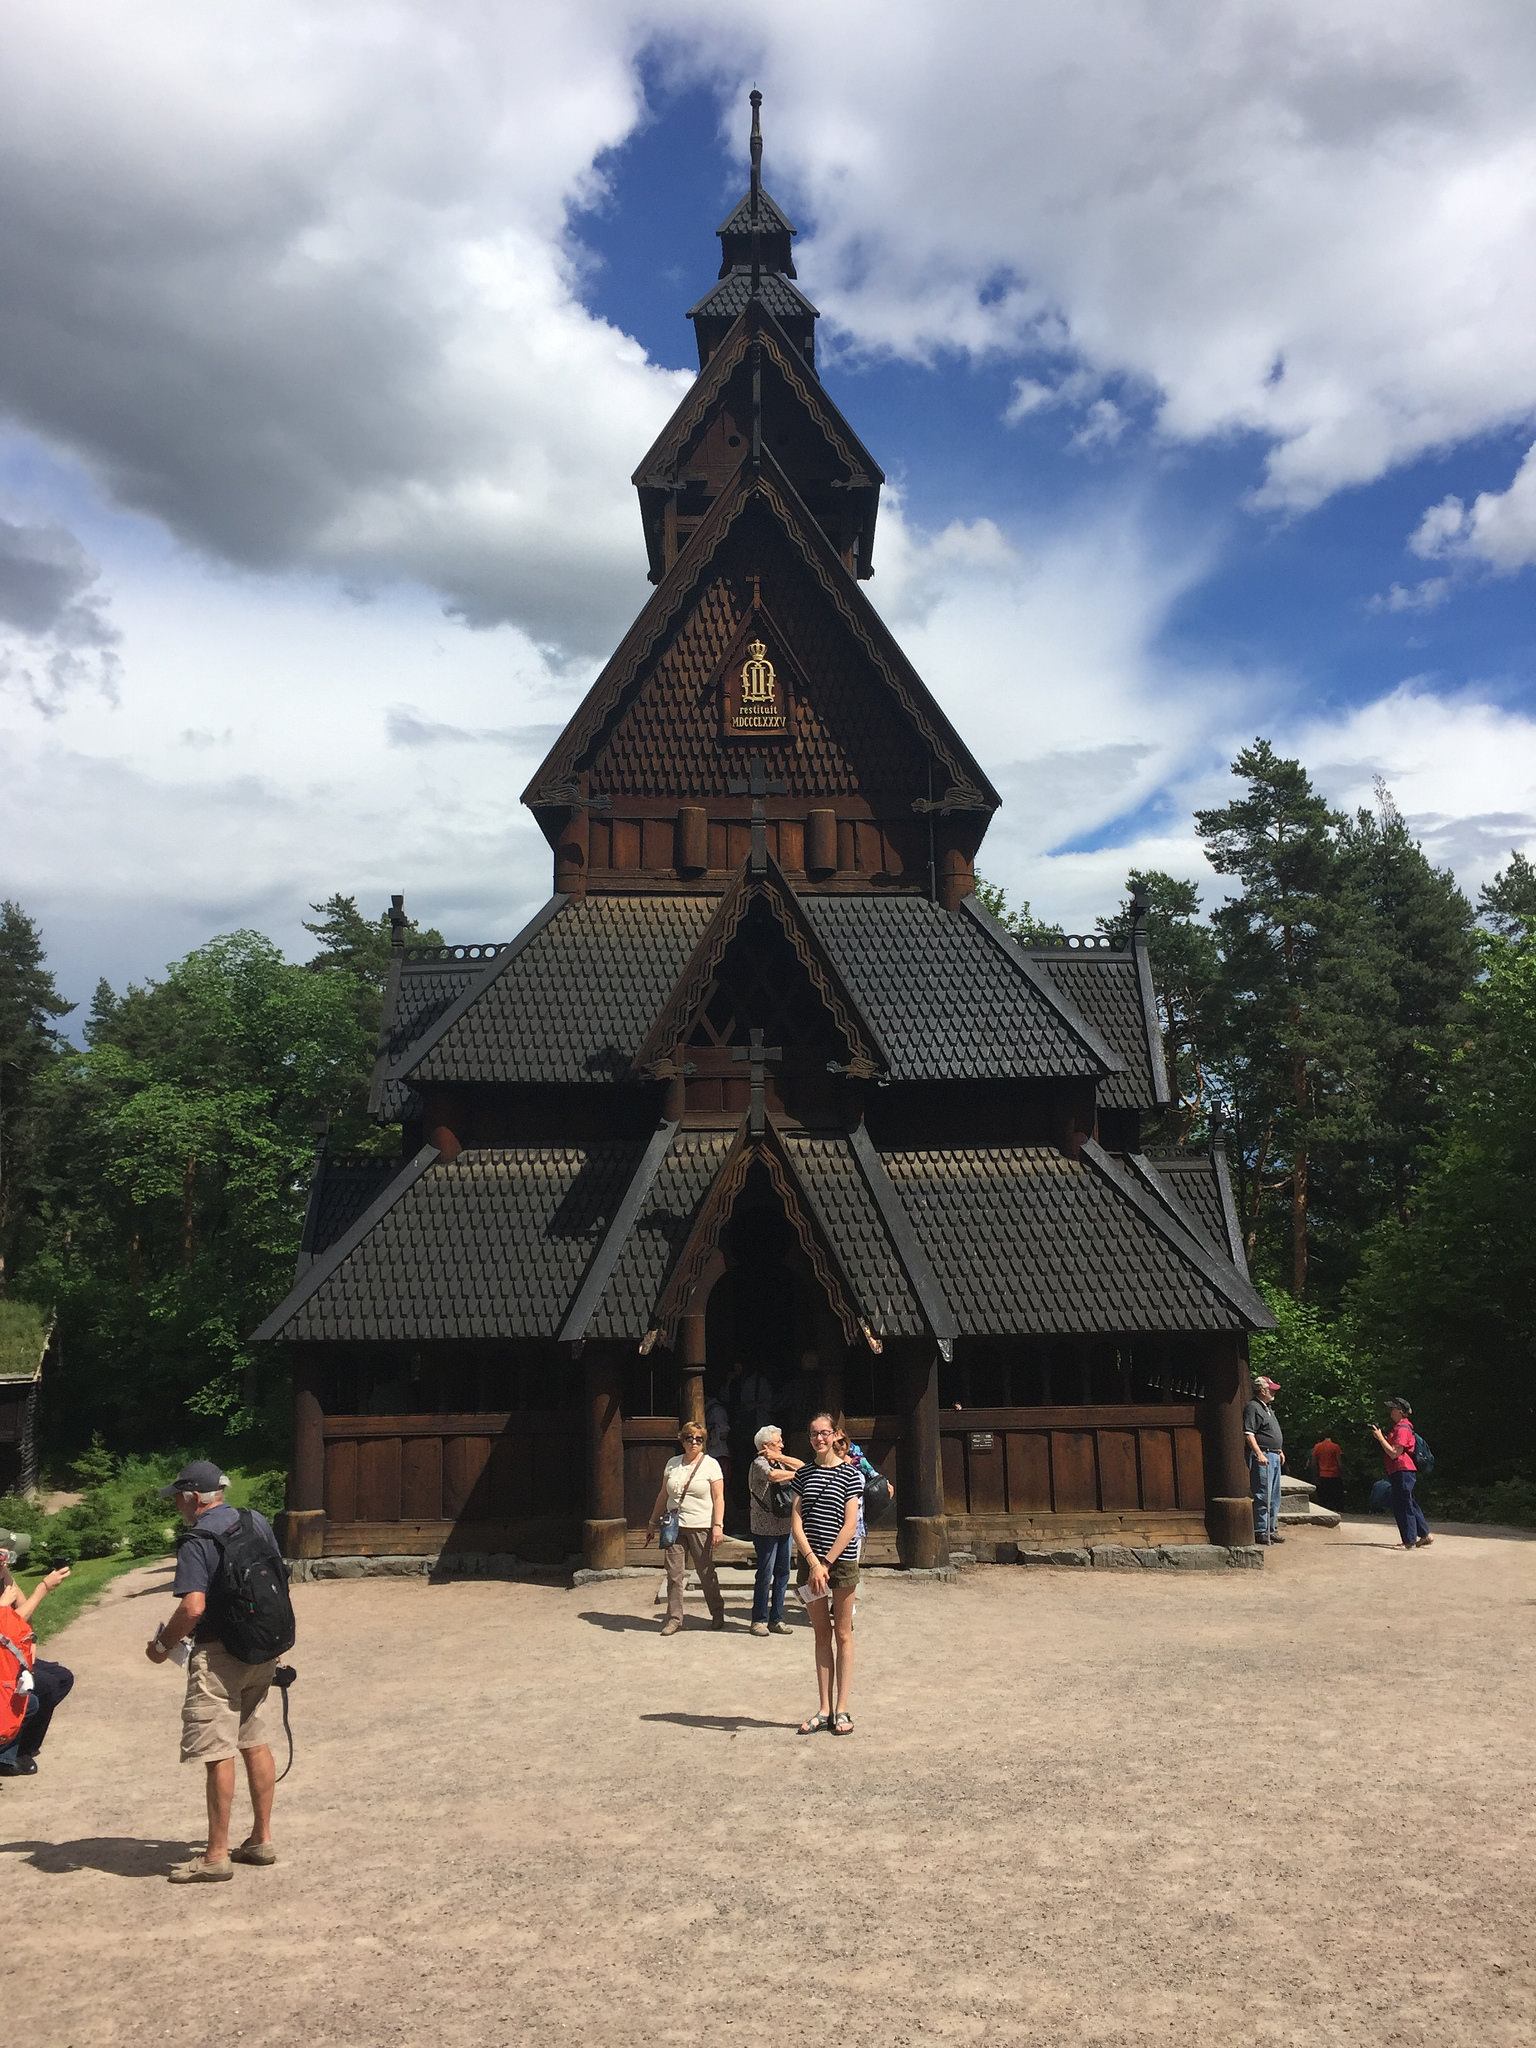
x: 842, y: 1722
x: 813, y: 1722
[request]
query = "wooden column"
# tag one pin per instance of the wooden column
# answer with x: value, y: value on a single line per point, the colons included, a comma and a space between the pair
x: 957, y: 877
x: 571, y: 854
x: 1228, y: 1502
x: 692, y: 845
x: 441, y: 1118
x: 603, y: 1532
x: 922, y: 1532
x: 831, y: 1378
x: 690, y: 1369
x: 304, y: 1521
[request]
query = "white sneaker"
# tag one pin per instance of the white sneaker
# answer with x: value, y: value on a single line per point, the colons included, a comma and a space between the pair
x: 759, y: 1628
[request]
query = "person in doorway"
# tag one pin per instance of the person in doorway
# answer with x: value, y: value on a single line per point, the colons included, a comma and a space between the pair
x: 693, y: 1488
x: 825, y: 1531
x: 1265, y: 1445
x: 1402, y: 1475
x: 770, y: 1532
x: 1327, y: 1467
x: 51, y: 1682
x: 754, y: 1399
x: 225, y: 1713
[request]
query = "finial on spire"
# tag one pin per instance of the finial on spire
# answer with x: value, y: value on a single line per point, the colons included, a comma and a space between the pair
x: 756, y: 152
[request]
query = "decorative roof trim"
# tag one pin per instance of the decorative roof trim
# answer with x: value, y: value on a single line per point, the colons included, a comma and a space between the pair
x: 686, y: 1000
x: 496, y: 965
x: 1161, y: 1093
x: 320, y: 1270
x: 766, y: 205
x: 898, y: 1225
x: 1217, y: 1271
x: 1235, y: 1246
x: 682, y: 583
x: 600, y: 1272
x: 312, y: 1205
x: 1067, y: 1011
x: 1145, y: 1170
x: 711, y: 381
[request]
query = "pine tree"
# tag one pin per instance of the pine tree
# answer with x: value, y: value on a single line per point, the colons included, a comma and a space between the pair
x: 1425, y: 943
x: 1302, y: 988
x: 1509, y: 900
x: 1186, y: 969
x: 30, y: 1004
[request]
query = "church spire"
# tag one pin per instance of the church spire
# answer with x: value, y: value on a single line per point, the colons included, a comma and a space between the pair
x: 755, y: 263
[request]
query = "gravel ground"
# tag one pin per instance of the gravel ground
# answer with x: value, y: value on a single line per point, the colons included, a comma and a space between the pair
x: 1288, y: 1806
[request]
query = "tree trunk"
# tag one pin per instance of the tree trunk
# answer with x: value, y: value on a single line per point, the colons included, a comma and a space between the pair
x: 186, y: 1213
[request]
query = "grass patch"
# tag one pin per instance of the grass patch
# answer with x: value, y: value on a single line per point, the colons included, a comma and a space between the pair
x: 86, y: 1583
x: 23, y: 1333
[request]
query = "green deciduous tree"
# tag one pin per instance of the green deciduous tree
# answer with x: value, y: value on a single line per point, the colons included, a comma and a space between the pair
x: 1022, y: 922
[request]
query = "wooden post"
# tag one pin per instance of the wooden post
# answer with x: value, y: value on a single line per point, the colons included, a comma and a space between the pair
x: 603, y: 1532
x: 820, y: 842
x: 1228, y: 1502
x: 922, y: 1532
x: 957, y: 877
x: 690, y: 1364
x: 571, y: 854
x: 440, y: 1120
x: 304, y: 1522
x: 692, y: 849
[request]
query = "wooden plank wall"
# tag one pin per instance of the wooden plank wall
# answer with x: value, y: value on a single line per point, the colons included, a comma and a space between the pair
x: 453, y: 1468
x: 1071, y: 1461
x: 619, y: 845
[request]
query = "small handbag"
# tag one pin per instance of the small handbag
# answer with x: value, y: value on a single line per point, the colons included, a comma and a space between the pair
x: 670, y: 1528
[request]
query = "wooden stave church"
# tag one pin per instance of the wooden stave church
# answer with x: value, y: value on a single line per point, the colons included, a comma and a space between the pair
x: 764, y: 1081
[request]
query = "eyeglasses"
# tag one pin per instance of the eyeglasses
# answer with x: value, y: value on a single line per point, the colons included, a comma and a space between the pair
x: 693, y: 1439
x: 821, y: 1436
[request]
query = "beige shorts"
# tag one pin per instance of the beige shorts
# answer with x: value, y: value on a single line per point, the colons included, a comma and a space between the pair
x: 226, y: 1706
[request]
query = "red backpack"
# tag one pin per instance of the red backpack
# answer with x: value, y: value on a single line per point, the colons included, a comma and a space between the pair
x: 15, y: 1673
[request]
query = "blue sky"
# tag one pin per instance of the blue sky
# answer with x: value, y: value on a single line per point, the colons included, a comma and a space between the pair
x: 1196, y: 351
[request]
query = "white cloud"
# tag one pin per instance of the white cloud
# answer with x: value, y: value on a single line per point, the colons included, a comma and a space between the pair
x: 1499, y: 528
x: 1423, y: 597
x: 1305, y: 219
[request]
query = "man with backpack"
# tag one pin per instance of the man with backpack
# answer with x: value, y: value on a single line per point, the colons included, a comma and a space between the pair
x: 234, y: 1605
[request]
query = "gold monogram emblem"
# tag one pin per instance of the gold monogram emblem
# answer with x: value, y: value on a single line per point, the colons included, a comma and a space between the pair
x: 759, y: 707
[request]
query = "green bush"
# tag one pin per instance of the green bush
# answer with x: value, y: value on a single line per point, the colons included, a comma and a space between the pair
x: 149, y: 1525
x: 95, y: 1467
x: 267, y: 1493
x: 99, y: 1524
x: 1510, y: 1501
x: 17, y: 1512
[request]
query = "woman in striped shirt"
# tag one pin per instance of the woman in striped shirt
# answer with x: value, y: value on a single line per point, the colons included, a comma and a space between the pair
x: 825, y: 1531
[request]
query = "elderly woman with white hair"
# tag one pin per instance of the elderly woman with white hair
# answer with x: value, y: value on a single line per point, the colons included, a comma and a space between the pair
x: 770, y: 1531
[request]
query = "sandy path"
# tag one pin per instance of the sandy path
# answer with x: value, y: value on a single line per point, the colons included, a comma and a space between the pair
x: 1079, y: 1807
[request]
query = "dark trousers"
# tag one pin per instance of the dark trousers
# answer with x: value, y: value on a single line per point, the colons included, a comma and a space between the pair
x: 52, y: 1683
x: 1330, y: 1494
x: 772, y: 1577
x: 1411, y: 1524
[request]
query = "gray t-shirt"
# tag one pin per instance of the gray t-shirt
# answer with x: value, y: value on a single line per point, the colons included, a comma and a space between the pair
x: 1263, y: 1425
x: 198, y: 1557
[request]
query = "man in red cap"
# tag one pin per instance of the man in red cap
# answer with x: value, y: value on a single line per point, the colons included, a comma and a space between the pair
x: 1266, y: 1459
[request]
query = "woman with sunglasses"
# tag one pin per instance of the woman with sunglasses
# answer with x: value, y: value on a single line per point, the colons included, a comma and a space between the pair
x: 825, y: 1531
x: 693, y: 1488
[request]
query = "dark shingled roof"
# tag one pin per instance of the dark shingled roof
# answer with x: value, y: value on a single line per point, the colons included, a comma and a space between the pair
x: 729, y: 297
x: 574, y: 1003
x: 491, y: 1244
x: 840, y: 1199
x: 948, y: 1002
x: 1106, y: 987
x: 770, y: 215
x: 342, y: 1190
x: 1194, y: 1180
x: 659, y: 1232
x: 423, y: 990
x: 1026, y: 1240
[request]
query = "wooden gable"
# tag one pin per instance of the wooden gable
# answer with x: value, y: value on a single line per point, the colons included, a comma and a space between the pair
x: 706, y: 440
x: 861, y: 736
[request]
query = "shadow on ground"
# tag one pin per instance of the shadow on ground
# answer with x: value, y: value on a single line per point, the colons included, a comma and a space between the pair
x: 727, y: 1724
x: 118, y: 1855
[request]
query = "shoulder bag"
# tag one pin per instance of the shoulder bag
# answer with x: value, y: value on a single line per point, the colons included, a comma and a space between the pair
x: 670, y: 1527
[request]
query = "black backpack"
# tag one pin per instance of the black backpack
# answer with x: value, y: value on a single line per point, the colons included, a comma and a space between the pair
x: 1423, y: 1456
x: 248, y: 1601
